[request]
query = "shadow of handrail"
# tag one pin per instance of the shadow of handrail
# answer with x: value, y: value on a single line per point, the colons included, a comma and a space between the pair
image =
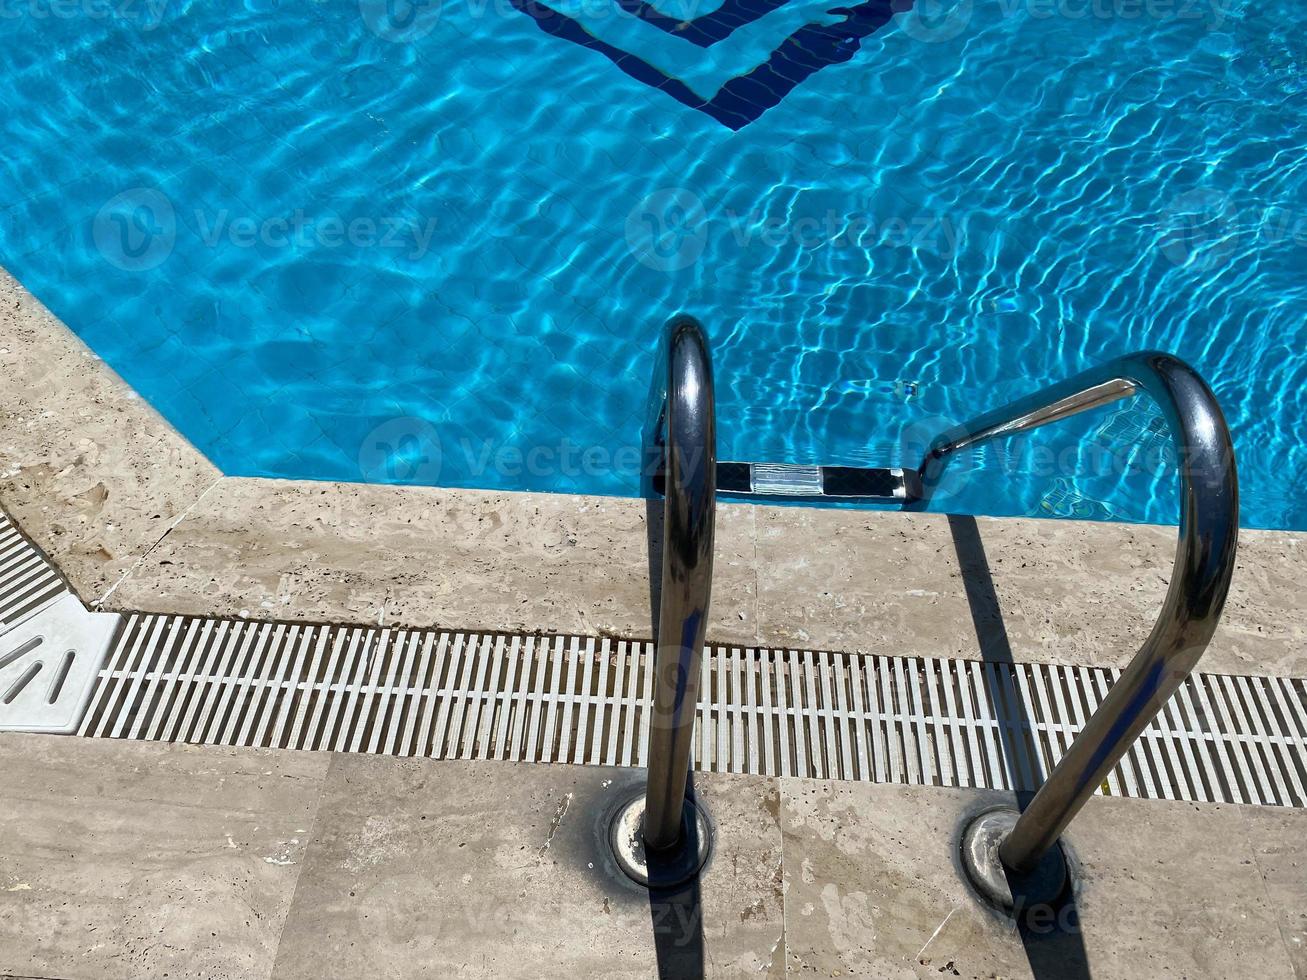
x: 1016, y: 728
x: 1052, y: 939
x: 677, y: 916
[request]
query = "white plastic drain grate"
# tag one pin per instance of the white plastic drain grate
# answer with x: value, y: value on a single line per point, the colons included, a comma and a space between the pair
x: 582, y: 700
x: 27, y: 580
x: 49, y: 664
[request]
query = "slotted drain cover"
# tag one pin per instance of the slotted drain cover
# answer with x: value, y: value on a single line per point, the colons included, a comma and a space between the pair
x: 27, y: 579
x: 49, y: 665
x: 584, y: 700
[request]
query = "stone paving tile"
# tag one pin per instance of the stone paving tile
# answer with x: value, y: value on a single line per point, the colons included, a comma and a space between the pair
x: 137, y: 859
x: 428, y: 869
x: 873, y: 888
x: 1172, y: 889
x: 1278, y: 838
x: 87, y: 468
x: 461, y: 559
x: 133, y: 859
x: 1035, y: 591
x: 931, y: 585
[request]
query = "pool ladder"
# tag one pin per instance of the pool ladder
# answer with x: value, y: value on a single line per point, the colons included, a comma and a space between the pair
x: 1011, y: 858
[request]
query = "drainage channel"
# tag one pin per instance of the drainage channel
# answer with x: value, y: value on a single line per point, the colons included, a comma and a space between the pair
x: 583, y: 700
x: 28, y: 582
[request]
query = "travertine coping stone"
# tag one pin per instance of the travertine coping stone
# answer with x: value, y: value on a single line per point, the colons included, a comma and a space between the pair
x: 121, y: 860
x: 905, y: 584
x: 87, y: 468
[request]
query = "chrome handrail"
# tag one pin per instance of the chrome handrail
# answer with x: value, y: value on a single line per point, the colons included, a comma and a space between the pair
x: 1204, y: 564
x: 681, y: 442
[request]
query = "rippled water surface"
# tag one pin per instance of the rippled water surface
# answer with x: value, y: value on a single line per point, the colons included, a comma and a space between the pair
x: 437, y: 244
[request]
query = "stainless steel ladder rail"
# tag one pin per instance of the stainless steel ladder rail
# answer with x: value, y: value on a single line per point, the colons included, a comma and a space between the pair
x: 1204, y: 564
x: 661, y: 840
x: 681, y: 465
x: 684, y: 430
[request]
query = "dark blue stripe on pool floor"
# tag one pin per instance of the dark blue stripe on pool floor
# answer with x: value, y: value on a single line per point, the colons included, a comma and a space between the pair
x: 744, y: 98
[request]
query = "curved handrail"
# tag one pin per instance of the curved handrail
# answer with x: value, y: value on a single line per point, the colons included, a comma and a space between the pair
x: 681, y: 435
x: 1204, y: 564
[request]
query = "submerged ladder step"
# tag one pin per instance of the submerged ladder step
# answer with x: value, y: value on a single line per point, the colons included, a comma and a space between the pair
x: 809, y: 482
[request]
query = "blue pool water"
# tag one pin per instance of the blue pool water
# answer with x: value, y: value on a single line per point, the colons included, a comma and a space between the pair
x: 436, y: 244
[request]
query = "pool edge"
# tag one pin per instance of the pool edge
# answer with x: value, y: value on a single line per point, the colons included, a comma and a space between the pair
x: 138, y: 519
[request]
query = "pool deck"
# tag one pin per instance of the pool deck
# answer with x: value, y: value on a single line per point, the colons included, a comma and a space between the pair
x: 123, y: 860
x: 130, y: 859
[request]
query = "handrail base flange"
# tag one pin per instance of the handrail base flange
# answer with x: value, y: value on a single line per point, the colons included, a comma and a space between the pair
x: 1038, y: 893
x: 658, y: 870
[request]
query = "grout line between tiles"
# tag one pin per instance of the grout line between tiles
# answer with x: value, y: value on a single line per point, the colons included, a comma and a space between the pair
x: 98, y: 603
x: 304, y: 861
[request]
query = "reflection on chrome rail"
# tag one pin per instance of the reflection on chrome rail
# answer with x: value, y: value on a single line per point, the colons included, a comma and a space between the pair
x: 1204, y: 563
x: 661, y: 839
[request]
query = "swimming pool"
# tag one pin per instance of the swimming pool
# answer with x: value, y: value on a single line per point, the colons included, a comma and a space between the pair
x: 436, y: 244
